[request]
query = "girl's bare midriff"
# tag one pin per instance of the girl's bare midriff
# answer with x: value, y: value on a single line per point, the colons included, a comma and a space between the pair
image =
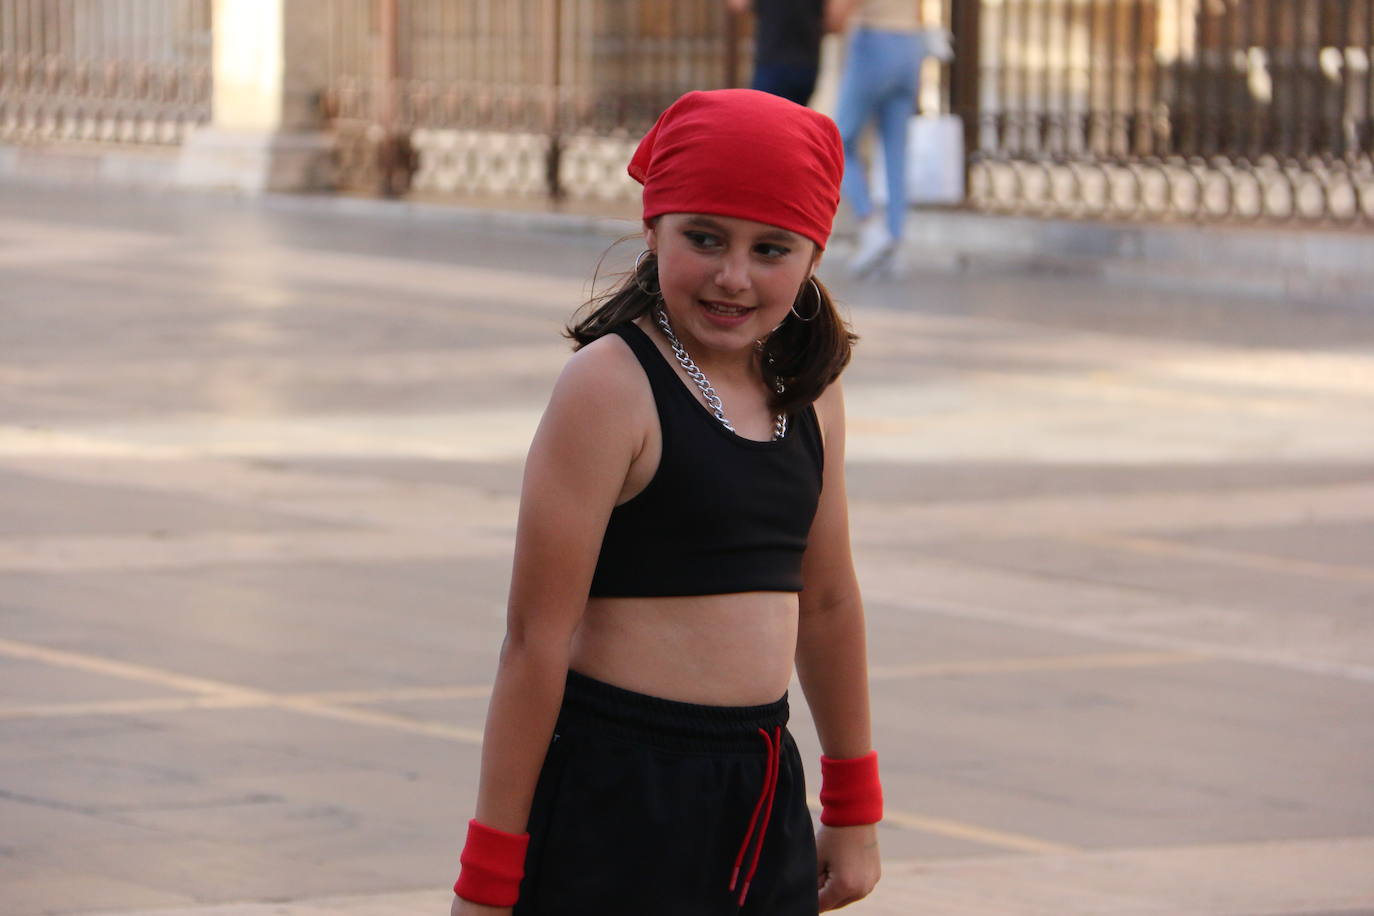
x: 719, y: 650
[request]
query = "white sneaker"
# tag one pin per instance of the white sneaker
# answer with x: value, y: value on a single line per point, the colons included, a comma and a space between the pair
x: 875, y: 244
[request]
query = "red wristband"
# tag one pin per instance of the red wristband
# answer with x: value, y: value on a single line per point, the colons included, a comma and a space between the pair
x: 850, y: 791
x: 493, y: 864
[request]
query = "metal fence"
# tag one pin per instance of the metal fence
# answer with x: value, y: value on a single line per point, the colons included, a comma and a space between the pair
x: 125, y: 71
x: 1241, y: 110
x: 524, y: 97
x: 1207, y: 109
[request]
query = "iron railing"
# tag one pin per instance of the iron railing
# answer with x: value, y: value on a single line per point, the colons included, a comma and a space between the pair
x: 526, y: 97
x: 1195, y: 109
x: 1208, y: 109
x: 121, y: 71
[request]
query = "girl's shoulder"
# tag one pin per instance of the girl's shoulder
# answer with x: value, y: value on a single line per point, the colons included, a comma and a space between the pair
x: 829, y: 407
x: 608, y: 360
x: 831, y: 397
x: 603, y: 378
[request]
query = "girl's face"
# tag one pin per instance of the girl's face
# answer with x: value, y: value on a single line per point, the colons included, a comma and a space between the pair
x: 727, y: 282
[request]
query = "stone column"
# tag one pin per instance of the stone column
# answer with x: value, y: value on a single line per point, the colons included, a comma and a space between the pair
x: 267, y: 132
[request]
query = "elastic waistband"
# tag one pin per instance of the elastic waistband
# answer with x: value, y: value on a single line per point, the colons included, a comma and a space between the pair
x: 600, y: 708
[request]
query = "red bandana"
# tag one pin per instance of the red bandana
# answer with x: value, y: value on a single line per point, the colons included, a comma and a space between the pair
x: 746, y: 154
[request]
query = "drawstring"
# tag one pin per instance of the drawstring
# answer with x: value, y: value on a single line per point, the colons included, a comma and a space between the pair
x: 765, y: 805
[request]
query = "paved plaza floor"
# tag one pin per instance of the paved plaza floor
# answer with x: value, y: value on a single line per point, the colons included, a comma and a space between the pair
x: 259, y: 468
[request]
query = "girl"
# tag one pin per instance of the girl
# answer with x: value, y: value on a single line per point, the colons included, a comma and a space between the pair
x: 682, y: 538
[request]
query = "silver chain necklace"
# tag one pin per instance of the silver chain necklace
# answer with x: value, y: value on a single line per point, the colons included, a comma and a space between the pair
x: 712, y: 399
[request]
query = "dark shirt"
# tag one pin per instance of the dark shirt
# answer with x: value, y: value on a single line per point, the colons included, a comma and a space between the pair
x: 722, y: 513
x: 788, y: 32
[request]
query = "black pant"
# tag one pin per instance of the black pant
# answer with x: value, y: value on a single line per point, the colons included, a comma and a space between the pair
x: 794, y: 82
x: 644, y: 805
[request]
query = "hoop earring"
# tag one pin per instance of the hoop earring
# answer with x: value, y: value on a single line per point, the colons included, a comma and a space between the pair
x: 820, y: 303
x: 638, y: 282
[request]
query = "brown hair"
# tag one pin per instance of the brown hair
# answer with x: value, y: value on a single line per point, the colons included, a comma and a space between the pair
x: 806, y: 355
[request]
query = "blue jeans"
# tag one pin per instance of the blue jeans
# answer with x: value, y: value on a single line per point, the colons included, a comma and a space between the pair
x: 882, y: 72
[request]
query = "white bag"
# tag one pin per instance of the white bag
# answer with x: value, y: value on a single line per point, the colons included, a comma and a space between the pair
x: 934, y: 162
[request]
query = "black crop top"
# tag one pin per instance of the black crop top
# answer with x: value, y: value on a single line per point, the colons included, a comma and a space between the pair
x: 722, y: 513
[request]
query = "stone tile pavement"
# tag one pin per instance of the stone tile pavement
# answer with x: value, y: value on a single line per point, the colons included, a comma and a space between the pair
x: 1186, y: 881
x: 259, y: 463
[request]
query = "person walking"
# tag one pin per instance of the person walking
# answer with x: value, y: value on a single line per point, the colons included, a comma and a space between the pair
x: 682, y: 544
x: 879, y: 85
x: 787, y: 45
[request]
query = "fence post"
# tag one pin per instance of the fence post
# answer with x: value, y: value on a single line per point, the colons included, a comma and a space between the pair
x: 731, y: 47
x: 396, y: 159
x: 965, y: 24
x: 552, y: 79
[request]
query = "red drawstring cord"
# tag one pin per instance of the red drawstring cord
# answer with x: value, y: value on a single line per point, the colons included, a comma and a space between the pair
x: 764, y: 804
x: 767, y: 810
x: 758, y: 806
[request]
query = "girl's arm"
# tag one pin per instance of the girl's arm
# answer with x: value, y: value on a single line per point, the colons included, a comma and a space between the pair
x: 589, y: 435
x: 832, y: 661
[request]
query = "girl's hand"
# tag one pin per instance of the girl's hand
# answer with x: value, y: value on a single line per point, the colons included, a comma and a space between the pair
x: 463, y: 907
x: 847, y: 864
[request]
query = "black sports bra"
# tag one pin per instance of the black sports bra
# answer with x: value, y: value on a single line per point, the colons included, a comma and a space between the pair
x: 722, y: 513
